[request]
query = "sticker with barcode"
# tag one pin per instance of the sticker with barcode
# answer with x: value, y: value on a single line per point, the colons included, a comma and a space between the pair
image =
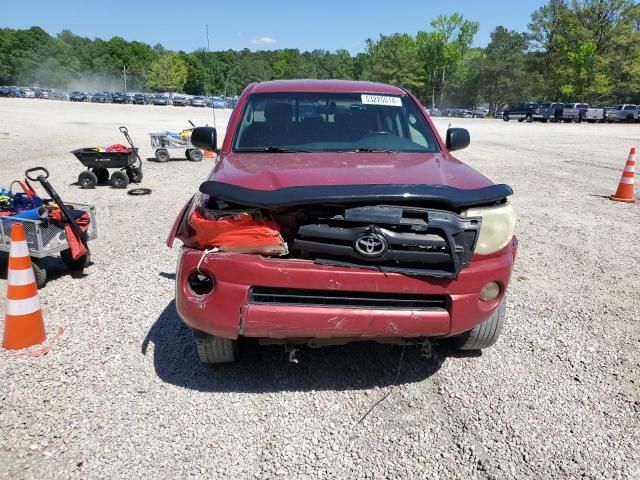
x: 381, y: 100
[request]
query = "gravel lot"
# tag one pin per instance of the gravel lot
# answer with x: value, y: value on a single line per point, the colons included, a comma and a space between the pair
x: 122, y: 394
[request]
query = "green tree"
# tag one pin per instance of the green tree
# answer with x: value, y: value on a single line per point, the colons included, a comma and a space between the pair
x: 168, y: 73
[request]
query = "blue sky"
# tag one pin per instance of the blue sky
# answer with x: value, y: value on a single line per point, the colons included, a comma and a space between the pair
x: 302, y: 24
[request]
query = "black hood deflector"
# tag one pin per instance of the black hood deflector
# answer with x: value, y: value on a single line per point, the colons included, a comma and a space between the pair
x: 442, y: 195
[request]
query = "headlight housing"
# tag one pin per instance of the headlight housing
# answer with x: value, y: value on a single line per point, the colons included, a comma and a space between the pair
x: 498, y: 226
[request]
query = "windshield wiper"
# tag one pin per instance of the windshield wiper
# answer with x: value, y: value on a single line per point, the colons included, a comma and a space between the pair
x: 273, y: 149
x: 277, y: 149
x: 373, y: 150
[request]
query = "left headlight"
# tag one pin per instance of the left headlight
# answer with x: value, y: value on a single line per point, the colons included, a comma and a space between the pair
x: 498, y: 226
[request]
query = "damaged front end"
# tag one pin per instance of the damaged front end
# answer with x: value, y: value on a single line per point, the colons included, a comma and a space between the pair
x: 415, y: 230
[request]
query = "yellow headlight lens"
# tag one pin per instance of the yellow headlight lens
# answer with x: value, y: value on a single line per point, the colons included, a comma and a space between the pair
x: 498, y: 226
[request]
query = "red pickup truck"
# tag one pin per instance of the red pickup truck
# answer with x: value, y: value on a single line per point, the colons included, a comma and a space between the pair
x: 336, y: 213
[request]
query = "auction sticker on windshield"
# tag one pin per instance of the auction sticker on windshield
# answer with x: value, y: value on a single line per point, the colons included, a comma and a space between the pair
x: 381, y: 100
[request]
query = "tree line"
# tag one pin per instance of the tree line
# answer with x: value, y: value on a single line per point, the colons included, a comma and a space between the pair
x: 573, y: 50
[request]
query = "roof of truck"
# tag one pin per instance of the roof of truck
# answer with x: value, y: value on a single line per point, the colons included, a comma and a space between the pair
x: 325, y: 86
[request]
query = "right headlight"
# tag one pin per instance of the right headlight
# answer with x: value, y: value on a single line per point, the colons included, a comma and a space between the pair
x: 498, y: 226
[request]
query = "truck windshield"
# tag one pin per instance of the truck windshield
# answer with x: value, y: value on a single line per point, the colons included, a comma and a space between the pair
x: 332, y: 122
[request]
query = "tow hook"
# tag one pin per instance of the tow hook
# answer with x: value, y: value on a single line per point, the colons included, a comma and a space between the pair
x: 426, y: 351
x: 293, y: 352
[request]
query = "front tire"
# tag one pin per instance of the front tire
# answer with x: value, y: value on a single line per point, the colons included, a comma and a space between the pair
x: 486, y: 333
x: 212, y: 350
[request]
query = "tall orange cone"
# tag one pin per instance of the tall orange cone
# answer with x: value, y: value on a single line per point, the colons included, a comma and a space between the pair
x: 625, y: 187
x: 23, y: 323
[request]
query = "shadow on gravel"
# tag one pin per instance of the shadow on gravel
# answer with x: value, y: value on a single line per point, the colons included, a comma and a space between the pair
x: 267, y: 369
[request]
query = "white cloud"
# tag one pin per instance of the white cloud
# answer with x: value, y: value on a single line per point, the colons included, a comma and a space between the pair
x: 263, y: 41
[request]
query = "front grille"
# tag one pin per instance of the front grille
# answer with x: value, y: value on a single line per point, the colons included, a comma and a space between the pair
x: 414, y: 241
x: 337, y: 298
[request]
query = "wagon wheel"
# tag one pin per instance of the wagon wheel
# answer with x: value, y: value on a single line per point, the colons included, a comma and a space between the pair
x: 134, y: 174
x: 87, y: 179
x: 119, y: 179
x: 162, y: 155
x: 39, y: 272
x: 195, y: 155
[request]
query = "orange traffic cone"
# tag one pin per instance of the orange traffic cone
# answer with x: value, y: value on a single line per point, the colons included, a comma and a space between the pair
x: 208, y: 154
x: 23, y: 323
x: 625, y: 187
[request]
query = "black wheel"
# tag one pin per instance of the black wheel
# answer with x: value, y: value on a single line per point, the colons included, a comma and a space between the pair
x: 119, y: 179
x: 195, y: 155
x: 134, y: 174
x: 215, y: 349
x: 187, y: 153
x: 529, y: 118
x: 485, y: 334
x: 39, y: 272
x: 505, y: 117
x: 75, y: 265
x: 87, y: 179
x: 162, y: 155
x: 101, y: 173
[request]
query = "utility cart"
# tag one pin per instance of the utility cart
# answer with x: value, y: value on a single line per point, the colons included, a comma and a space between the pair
x: 47, y: 236
x: 98, y: 163
x: 162, y: 142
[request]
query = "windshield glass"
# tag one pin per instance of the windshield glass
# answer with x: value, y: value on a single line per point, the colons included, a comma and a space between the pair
x: 330, y: 122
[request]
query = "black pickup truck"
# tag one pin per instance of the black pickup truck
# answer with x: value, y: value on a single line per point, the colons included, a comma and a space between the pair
x: 528, y: 111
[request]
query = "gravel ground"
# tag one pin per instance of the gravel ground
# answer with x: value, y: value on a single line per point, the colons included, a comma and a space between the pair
x: 122, y: 395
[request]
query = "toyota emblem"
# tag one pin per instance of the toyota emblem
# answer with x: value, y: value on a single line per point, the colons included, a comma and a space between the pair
x: 370, y: 245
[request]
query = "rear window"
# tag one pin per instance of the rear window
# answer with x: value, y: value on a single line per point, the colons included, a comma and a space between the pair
x: 329, y: 122
x: 630, y: 107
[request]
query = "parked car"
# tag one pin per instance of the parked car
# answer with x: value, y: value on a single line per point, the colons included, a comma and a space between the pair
x: 5, y: 91
x: 609, y: 113
x: 624, y: 113
x: 198, y: 102
x: 100, y: 97
x: 160, y: 100
x: 292, y: 243
x: 479, y: 113
x: 120, y: 97
x: 78, y: 97
x: 179, y: 101
x: 594, y: 115
x: 527, y: 111
x: 27, y: 92
x: 551, y: 112
x: 139, y: 99
x: 217, y: 102
x: 58, y: 95
x: 574, y: 112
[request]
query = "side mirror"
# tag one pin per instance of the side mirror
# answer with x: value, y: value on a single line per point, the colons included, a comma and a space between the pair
x: 458, y: 138
x: 205, y: 138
